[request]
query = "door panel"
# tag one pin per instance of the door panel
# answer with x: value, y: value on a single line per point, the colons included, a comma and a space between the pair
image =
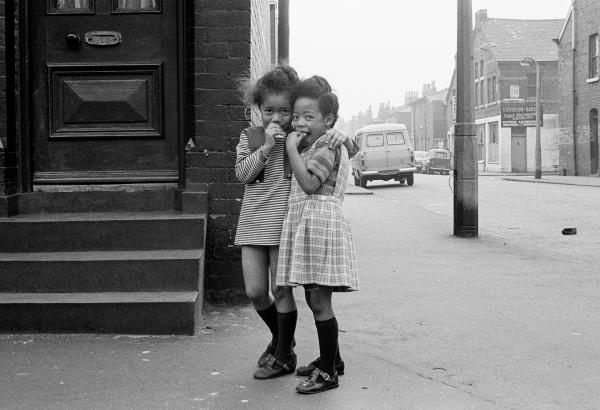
x: 375, y: 152
x: 104, y: 91
x: 398, y: 150
x: 518, y: 149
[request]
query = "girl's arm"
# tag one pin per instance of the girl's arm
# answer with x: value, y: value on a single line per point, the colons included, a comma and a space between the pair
x: 308, y: 180
x: 338, y: 138
x: 248, y: 164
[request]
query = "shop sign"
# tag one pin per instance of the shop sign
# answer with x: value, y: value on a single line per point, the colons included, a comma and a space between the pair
x: 519, y: 115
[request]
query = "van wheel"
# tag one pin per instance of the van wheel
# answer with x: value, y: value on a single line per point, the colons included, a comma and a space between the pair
x: 410, y: 180
x: 363, y: 182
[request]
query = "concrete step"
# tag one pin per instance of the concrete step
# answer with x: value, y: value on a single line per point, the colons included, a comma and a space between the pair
x: 115, y: 271
x: 105, y: 312
x: 123, y: 200
x: 105, y: 231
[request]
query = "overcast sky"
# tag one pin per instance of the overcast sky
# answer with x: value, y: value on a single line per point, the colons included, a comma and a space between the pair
x: 374, y: 51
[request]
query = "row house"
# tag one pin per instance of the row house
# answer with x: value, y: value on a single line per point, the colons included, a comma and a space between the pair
x: 428, y: 119
x: 578, y: 65
x: 118, y: 127
x: 505, y: 92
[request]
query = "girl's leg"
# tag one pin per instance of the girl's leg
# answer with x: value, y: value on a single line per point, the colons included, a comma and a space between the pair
x: 327, y: 327
x: 284, y: 360
x: 287, y: 314
x: 255, y: 266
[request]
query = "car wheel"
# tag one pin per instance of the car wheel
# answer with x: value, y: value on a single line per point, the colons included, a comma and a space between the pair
x: 356, y: 180
x: 363, y: 182
x: 410, y: 180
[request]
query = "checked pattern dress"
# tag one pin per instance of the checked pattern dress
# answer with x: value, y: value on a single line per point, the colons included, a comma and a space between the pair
x: 316, y: 246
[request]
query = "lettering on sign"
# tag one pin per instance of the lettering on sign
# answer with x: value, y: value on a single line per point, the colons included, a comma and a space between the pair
x: 519, y: 115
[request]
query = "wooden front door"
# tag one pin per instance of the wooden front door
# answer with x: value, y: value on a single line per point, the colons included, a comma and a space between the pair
x: 104, y: 91
x: 518, y: 149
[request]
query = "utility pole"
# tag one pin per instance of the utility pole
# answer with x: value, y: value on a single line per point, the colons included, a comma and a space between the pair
x: 465, y: 147
x: 283, y: 31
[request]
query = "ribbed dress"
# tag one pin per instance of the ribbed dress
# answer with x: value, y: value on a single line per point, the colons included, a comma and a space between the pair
x: 265, y: 203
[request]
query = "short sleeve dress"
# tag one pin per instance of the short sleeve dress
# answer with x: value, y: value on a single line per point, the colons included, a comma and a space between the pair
x: 316, y: 242
x: 265, y: 201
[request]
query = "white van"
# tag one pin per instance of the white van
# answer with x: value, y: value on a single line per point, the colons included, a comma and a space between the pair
x: 384, y: 153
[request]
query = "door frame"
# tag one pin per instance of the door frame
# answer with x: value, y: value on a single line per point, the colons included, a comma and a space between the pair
x: 24, y: 140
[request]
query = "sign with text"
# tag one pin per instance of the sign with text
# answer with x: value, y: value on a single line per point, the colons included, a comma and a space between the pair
x: 519, y: 115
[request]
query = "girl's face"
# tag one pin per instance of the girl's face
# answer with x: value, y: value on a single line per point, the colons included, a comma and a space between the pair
x: 276, y: 108
x: 309, y: 119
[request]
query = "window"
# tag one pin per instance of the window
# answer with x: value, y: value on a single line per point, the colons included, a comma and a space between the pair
x: 273, y: 20
x: 531, y: 84
x: 481, y: 68
x: 71, y: 6
x: 132, y: 6
x: 476, y: 70
x: 489, y: 91
x: 494, y: 86
x: 593, y: 56
x: 480, y: 142
x: 375, y: 140
x: 493, y: 142
x: 395, y: 138
x: 481, y: 87
x: 476, y: 93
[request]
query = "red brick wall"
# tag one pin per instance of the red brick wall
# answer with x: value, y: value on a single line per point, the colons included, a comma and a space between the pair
x: 587, y: 18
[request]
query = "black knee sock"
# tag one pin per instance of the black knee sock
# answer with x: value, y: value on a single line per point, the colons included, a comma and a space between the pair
x: 286, y: 323
x: 269, y: 316
x: 327, y: 330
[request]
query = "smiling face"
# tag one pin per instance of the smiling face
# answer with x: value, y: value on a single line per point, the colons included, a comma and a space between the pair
x: 276, y: 108
x: 308, y: 119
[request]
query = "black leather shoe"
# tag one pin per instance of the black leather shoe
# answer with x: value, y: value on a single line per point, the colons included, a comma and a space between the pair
x: 309, y: 368
x: 265, y: 355
x: 318, y: 382
x: 276, y: 368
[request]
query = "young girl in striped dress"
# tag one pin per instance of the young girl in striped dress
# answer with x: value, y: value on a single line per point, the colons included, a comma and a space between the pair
x: 316, y: 249
x: 262, y: 165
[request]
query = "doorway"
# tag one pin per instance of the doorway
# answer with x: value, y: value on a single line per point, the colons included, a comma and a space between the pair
x: 593, y: 141
x: 518, y: 149
x: 105, y: 91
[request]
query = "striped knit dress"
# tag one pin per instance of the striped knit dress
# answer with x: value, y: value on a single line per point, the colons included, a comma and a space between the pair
x: 265, y: 203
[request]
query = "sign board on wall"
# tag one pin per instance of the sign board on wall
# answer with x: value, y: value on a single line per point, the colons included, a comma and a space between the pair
x: 519, y: 115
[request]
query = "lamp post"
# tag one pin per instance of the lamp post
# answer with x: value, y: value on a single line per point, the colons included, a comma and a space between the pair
x: 538, y: 143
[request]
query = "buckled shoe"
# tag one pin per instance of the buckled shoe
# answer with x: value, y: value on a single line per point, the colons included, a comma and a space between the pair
x: 318, y: 382
x: 275, y: 367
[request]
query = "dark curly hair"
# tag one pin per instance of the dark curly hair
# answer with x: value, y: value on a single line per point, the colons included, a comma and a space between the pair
x: 282, y: 78
x: 317, y: 87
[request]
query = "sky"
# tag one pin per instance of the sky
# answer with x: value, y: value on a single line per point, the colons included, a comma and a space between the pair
x: 376, y: 50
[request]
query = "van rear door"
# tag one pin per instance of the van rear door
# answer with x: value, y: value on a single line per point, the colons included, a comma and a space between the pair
x: 398, y: 150
x: 375, y: 156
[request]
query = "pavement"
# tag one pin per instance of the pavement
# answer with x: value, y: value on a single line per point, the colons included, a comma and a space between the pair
x: 490, y: 325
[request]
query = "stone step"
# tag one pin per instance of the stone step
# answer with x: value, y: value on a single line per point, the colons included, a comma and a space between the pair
x: 115, y: 271
x: 104, y: 312
x: 105, y: 231
x: 123, y: 200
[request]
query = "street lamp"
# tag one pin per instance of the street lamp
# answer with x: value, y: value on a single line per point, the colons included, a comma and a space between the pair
x: 526, y: 62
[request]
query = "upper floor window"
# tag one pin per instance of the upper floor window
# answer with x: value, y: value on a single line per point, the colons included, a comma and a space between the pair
x: 481, y: 68
x: 531, y: 78
x: 593, y: 56
x: 476, y: 70
x: 494, y: 87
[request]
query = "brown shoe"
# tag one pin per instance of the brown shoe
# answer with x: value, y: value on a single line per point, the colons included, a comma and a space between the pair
x: 276, y: 368
x: 309, y: 368
x: 318, y: 382
x: 270, y: 350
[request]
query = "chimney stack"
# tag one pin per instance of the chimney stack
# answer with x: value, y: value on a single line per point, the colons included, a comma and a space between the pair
x: 480, y: 16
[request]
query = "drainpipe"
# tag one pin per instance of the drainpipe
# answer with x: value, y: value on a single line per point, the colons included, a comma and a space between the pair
x: 574, y: 122
x: 283, y: 31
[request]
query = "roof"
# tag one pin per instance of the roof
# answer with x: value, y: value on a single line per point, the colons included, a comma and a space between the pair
x: 382, y: 127
x: 513, y: 40
x: 437, y: 96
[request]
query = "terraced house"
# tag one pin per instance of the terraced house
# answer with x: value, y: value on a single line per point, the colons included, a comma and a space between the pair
x: 118, y: 126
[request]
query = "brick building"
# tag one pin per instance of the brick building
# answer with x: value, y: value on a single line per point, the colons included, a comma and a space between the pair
x: 501, y: 82
x: 428, y: 119
x: 118, y: 127
x: 578, y: 54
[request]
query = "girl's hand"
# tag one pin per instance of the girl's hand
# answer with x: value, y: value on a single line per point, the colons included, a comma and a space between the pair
x: 294, y: 139
x: 337, y: 138
x: 271, y: 132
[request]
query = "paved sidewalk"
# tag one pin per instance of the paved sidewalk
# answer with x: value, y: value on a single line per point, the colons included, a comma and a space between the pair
x: 591, y: 181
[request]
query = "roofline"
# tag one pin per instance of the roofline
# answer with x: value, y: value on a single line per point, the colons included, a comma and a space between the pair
x: 562, y: 32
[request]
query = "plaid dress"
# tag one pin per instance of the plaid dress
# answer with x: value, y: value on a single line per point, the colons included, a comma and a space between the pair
x: 316, y: 246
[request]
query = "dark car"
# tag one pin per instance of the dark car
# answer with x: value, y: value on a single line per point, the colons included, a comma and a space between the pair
x: 437, y: 160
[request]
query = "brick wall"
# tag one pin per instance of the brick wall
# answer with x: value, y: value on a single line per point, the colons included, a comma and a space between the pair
x: 230, y: 42
x: 587, y: 16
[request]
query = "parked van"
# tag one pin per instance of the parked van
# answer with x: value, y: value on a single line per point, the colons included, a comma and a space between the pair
x: 384, y: 153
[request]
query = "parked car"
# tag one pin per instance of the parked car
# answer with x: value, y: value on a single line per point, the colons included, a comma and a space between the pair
x: 437, y: 160
x: 419, y: 158
x: 384, y: 153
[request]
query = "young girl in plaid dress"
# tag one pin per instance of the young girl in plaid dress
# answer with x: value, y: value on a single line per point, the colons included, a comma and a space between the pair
x: 316, y: 249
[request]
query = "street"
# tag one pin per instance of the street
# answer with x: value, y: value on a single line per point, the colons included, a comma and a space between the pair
x: 509, y: 320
